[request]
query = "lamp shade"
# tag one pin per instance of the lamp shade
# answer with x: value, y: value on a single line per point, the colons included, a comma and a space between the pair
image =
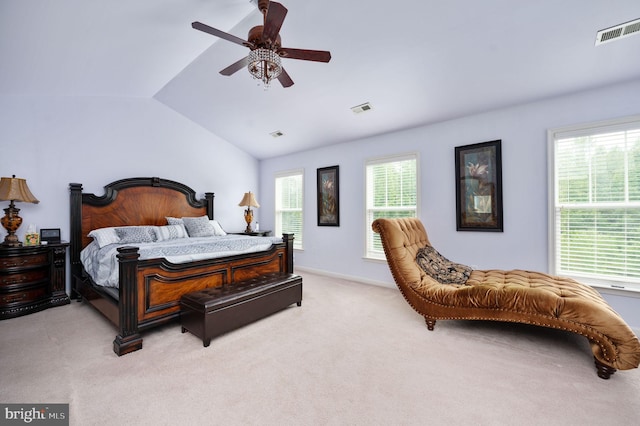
x: 16, y: 189
x: 249, y: 200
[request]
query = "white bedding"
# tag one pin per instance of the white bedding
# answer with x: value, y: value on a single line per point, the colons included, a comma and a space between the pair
x: 102, y: 264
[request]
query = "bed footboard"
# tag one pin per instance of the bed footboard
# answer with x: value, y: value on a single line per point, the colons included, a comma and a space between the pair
x: 150, y: 290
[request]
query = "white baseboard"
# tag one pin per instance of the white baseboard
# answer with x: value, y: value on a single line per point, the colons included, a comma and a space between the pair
x: 368, y: 281
x: 345, y: 277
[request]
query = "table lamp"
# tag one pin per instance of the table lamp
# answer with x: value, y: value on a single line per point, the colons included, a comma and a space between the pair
x: 14, y: 189
x: 248, y: 201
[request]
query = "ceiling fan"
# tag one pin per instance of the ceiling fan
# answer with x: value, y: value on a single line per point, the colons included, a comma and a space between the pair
x: 263, y: 61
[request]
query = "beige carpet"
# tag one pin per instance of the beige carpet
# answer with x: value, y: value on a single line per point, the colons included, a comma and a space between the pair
x: 353, y: 354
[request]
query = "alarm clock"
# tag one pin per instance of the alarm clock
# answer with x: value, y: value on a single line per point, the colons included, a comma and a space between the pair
x: 51, y: 235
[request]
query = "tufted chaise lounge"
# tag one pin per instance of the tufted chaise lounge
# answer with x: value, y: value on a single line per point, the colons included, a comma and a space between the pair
x: 513, y: 296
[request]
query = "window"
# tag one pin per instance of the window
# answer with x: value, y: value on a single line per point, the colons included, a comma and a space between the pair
x: 392, y: 191
x: 595, y: 212
x: 289, y: 201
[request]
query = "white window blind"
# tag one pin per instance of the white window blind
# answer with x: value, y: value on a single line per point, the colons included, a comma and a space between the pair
x: 289, y: 202
x: 391, y: 191
x: 596, y: 207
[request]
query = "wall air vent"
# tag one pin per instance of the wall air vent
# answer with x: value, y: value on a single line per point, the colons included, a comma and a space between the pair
x: 618, y: 32
x: 276, y: 134
x: 361, y: 108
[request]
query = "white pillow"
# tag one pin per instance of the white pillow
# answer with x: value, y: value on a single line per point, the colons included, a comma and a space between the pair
x: 217, y: 228
x: 105, y: 236
x: 171, y: 232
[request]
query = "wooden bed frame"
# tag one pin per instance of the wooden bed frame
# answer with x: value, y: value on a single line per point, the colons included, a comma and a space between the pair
x: 150, y: 290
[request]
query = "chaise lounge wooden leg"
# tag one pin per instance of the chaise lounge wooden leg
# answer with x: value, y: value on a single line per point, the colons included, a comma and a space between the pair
x: 430, y: 323
x: 604, y: 371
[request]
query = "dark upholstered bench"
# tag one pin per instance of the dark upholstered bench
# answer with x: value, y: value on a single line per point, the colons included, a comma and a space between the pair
x: 214, y: 311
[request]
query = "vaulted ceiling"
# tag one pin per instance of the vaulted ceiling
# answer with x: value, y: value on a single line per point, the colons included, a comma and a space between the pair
x: 416, y: 61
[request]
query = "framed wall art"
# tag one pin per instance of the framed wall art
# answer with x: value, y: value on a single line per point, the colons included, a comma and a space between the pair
x: 479, y: 187
x: 328, y: 196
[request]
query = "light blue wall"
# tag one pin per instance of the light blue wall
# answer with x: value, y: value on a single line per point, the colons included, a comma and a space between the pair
x: 52, y: 141
x: 523, y: 131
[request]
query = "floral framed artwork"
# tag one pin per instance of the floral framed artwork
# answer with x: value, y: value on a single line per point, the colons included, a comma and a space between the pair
x: 479, y: 187
x: 328, y: 196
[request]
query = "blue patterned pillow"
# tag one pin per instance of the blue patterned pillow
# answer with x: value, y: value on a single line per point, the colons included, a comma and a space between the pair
x: 174, y: 221
x: 199, y: 226
x: 171, y: 232
x: 136, y: 234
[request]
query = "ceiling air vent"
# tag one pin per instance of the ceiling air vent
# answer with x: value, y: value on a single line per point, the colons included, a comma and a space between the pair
x: 618, y: 32
x: 361, y: 108
x: 276, y: 134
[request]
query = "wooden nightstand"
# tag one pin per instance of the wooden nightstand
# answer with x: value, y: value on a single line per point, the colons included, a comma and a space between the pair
x: 254, y: 233
x: 32, y: 279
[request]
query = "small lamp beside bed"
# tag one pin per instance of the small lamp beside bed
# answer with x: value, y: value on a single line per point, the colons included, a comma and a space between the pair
x: 14, y: 189
x: 248, y: 201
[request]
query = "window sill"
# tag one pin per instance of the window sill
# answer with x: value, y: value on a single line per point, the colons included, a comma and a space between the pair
x: 631, y: 290
x: 374, y: 259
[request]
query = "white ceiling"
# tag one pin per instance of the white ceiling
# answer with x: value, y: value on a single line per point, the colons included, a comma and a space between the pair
x: 416, y: 61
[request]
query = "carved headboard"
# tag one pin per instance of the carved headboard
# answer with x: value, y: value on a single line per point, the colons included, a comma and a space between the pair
x: 133, y: 201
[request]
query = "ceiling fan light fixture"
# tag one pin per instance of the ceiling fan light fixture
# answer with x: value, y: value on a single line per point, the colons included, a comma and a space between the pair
x: 264, y: 65
x: 265, y: 45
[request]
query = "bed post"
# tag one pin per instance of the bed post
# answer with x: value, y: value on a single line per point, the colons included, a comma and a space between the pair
x: 209, y: 199
x: 76, y: 236
x: 288, y: 242
x: 128, y: 339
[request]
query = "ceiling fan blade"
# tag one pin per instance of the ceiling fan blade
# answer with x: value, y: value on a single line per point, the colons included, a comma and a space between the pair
x: 284, y: 79
x: 305, y: 55
x: 236, y: 66
x: 213, y: 31
x: 273, y: 22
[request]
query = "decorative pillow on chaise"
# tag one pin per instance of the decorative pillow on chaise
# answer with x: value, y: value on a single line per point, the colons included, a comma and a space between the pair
x: 440, y: 268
